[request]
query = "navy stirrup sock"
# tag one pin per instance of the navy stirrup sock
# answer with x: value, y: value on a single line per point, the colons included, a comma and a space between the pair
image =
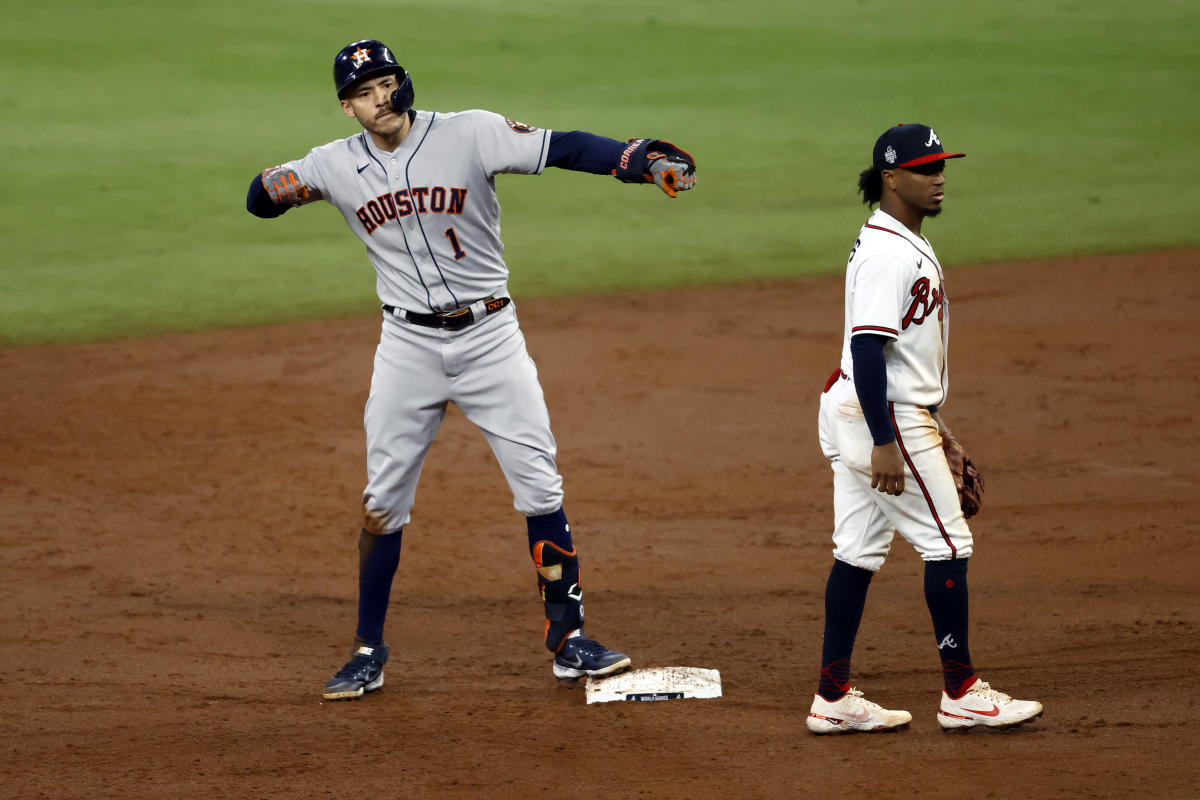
x: 378, y: 557
x: 946, y: 596
x: 845, y: 599
x: 553, y: 528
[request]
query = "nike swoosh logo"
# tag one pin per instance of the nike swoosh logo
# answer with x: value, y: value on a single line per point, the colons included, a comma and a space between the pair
x: 364, y: 166
x: 995, y: 710
x: 578, y: 662
x: 861, y: 716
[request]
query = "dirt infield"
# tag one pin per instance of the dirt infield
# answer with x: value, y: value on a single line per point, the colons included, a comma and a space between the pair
x: 180, y: 518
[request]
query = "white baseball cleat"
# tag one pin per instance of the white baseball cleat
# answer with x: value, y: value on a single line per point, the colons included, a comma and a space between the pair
x: 984, y: 706
x: 853, y: 714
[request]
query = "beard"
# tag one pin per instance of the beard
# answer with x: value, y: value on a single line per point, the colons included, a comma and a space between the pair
x: 933, y: 212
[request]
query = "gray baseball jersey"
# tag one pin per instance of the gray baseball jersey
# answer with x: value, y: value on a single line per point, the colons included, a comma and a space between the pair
x: 428, y: 212
x: 429, y: 217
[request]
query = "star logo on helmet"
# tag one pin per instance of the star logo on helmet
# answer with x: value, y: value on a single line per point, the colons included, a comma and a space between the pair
x: 360, y: 57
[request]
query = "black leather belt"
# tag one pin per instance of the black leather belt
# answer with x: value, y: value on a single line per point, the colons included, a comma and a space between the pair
x: 454, y: 320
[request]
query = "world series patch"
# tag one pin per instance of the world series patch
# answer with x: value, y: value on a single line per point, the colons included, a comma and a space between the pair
x: 520, y: 127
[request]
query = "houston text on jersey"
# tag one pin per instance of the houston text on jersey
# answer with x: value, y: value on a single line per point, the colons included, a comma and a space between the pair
x: 422, y: 199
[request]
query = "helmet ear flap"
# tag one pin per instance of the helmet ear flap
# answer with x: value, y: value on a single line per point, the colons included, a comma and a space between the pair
x: 402, y: 98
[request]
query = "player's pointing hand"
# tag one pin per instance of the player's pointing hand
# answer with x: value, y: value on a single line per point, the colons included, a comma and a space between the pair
x: 672, y: 174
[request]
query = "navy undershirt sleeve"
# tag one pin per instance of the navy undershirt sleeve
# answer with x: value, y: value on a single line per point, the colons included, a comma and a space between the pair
x: 870, y: 381
x: 259, y: 203
x: 583, y: 152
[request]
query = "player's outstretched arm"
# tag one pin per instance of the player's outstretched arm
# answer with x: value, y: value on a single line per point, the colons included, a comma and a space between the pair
x: 637, y: 161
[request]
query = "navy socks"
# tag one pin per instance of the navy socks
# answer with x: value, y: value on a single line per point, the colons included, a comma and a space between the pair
x: 378, y: 557
x: 946, y: 596
x: 845, y: 598
x: 551, y: 528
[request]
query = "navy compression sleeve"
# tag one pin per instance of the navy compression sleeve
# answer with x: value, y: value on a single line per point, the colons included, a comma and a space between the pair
x: 870, y: 381
x: 583, y: 152
x: 259, y: 203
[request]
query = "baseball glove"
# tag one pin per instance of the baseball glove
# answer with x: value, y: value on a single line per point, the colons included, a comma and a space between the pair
x: 967, y: 479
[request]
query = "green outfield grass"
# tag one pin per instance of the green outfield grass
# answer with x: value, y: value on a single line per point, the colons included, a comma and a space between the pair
x: 132, y: 128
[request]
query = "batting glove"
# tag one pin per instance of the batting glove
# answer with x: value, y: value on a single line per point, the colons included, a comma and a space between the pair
x: 656, y: 161
x: 671, y: 173
x: 284, y: 186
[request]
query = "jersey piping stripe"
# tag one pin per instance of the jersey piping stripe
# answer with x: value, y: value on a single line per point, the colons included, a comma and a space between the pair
x: 921, y: 483
x: 879, y: 328
x: 902, y: 236
x: 946, y: 308
x: 545, y: 150
x: 420, y: 225
x: 941, y: 280
x: 403, y: 234
x: 362, y: 138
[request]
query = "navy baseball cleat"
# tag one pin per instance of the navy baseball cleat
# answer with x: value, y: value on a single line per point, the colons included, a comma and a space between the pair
x: 581, y: 656
x: 362, y: 673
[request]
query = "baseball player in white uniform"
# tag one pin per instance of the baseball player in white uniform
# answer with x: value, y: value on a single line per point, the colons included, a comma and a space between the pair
x: 418, y: 188
x: 880, y: 428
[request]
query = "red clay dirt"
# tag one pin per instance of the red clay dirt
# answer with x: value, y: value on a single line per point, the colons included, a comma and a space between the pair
x: 180, y: 518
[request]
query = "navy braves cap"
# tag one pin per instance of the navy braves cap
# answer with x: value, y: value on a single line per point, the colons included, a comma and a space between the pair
x: 908, y: 146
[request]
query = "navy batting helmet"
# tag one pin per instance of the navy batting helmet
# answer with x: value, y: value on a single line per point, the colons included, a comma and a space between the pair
x: 368, y: 57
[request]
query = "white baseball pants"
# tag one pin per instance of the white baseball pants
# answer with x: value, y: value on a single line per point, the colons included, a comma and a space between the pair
x: 927, y: 514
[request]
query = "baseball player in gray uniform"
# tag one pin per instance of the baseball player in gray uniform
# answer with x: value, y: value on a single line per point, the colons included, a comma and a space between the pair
x: 418, y: 188
x: 891, y: 452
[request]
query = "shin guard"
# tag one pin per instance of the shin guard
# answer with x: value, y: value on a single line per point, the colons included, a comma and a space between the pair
x: 558, y: 581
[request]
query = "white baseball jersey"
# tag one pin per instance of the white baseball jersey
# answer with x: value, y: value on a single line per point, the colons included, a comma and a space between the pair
x: 894, y: 289
x: 428, y: 211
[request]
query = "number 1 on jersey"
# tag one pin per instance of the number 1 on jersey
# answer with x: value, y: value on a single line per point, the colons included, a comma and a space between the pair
x: 458, y: 251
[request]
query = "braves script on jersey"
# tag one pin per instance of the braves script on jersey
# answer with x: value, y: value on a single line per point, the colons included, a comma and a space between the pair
x: 894, y: 289
x: 428, y: 211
